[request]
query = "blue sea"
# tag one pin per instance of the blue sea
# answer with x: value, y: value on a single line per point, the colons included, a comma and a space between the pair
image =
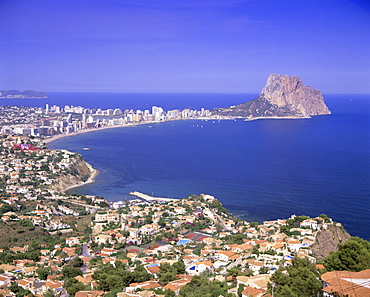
x: 260, y: 170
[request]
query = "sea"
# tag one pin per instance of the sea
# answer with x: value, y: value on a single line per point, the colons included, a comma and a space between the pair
x: 259, y: 170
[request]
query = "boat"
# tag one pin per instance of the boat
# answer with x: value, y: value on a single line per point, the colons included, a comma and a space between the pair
x: 86, y: 149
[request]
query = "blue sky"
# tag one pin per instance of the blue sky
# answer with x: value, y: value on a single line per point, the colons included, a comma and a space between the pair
x: 183, y: 45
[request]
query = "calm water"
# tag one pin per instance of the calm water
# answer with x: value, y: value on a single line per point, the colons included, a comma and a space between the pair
x: 260, y: 170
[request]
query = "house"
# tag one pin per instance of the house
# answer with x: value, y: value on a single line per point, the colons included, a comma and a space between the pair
x: 293, y: 245
x: 178, y: 284
x: 105, y: 252
x: 309, y: 223
x: 25, y: 283
x: 346, y: 283
x: 199, y: 267
x: 255, y: 266
x: 224, y: 255
x: 72, y: 241
x: 252, y: 292
x: 55, y: 286
x: 144, y: 285
x: 257, y: 281
x: 4, y: 280
x: 89, y: 294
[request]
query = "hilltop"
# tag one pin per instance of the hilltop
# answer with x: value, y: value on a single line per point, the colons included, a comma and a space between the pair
x: 282, y: 97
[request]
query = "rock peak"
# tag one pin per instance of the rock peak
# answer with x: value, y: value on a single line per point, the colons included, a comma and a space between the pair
x: 282, y: 96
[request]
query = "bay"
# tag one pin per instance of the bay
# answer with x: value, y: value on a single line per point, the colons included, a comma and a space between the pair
x: 259, y: 170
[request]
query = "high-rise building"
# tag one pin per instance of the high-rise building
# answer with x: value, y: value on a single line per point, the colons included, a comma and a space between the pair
x: 84, y: 120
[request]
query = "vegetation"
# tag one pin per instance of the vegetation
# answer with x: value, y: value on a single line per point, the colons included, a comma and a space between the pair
x: 202, y: 286
x: 300, y: 280
x: 111, y: 277
x: 168, y: 273
x: 353, y: 255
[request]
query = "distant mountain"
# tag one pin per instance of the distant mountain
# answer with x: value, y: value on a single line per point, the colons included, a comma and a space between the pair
x: 282, y: 96
x: 23, y: 95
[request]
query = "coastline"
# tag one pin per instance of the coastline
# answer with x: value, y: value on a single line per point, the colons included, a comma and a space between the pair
x: 59, y: 136
x: 276, y: 118
x: 90, y: 180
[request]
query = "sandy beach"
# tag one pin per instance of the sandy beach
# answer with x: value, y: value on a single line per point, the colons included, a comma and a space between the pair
x: 59, y: 136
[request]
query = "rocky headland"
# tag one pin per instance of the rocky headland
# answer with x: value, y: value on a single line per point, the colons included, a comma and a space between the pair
x: 83, y: 173
x: 283, y: 96
x: 327, y: 240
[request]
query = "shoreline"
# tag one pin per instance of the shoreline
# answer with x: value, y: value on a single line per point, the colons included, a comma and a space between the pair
x: 276, y: 118
x: 93, y: 174
x: 59, y: 136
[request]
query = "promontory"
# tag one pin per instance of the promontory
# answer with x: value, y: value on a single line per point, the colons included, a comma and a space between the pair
x: 283, y: 96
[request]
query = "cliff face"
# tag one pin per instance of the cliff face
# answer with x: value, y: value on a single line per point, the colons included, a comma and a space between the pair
x: 328, y: 240
x: 65, y: 182
x: 282, y: 96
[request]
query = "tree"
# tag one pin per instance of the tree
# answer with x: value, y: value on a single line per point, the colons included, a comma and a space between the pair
x: 110, y: 277
x: 241, y: 289
x: 179, y: 266
x: 264, y: 270
x: 253, y: 224
x: 201, y: 286
x: 19, y: 291
x: 167, y: 273
x: 45, y: 167
x: 70, y: 271
x: 73, y: 286
x: 301, y: 279
x: 43, y: 273
x: 166, y: 293
x: 49, y: 293
x: 233, y: 272
x: 76, y: 262
x: 140, y: 274
x: 353, y: 255
x: 325, y: 217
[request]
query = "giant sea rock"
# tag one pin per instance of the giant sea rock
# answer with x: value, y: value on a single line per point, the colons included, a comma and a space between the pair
x: 283, y: 97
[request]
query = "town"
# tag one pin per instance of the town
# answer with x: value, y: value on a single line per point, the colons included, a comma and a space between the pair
x: 56, y: 244
x: 55, y: 120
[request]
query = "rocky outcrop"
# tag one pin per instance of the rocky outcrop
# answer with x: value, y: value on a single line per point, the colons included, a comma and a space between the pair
x: 69, y: 181
x: 328, y: 240
x: 284, y: 97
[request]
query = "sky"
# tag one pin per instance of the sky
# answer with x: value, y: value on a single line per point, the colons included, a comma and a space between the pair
x: 213, y: 46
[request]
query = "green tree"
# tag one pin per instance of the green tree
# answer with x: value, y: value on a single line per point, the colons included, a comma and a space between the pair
x: 49, y: 293
x: 167, y: 273
x: 70, y: 271
x: 45, y: 167
x: 166, y: 293
x: 73, y: 286
x: 353, y: 255
x: 263, y: 270
x: 201, y: 286
x: 301, y: 279
x: 76, y: 262
x: 43, y: 273
x: 110, y: 277
x: 179, y: 266
x: 325, y: 217
x: 240, y: 289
